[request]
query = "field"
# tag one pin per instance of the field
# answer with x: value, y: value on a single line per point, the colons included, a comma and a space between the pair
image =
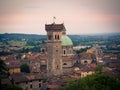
x: 17, y: 43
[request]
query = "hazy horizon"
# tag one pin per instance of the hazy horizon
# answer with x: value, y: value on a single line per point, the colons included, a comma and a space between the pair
x: 69, y: 34
x: 79, y: 16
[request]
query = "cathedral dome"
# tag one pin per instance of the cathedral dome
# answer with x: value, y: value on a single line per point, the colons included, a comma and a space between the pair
x: 66, y: 41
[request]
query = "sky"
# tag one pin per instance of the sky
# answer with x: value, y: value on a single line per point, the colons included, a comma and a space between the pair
x: 78, y: 16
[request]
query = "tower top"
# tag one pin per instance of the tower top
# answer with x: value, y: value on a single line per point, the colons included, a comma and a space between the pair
x: 54, y: 27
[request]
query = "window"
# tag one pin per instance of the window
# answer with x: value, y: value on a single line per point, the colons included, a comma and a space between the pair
x: 58, y: 37
x: 65, y: 64
x: 85, y: 62
x: 30, y: 85
x: 26, y: 82
x: 43, y: 50
x: 64, y: 52
x: 55, y: 37
x: 39, y: 80
x: 39, y: 85
x: 57, y: 66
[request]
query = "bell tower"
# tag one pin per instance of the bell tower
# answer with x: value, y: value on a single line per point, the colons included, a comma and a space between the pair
x: 54, y: 48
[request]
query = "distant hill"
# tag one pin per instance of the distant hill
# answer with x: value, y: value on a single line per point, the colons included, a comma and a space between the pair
x: 22, y: 36
x: 111, y: 38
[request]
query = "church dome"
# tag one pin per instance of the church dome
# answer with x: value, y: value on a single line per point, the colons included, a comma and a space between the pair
x: 66, y: 41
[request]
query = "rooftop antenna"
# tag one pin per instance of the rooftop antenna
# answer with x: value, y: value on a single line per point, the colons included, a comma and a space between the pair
x: 54, y: 19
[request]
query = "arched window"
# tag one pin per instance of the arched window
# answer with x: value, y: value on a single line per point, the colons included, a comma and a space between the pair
x: 65, y: 64
x: 85, y: 62
x: 64, y: 52
x: 58, y: 37
x: 55, y: 37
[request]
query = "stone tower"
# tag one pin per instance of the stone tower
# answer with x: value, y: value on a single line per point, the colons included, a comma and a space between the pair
x: 54, y: 48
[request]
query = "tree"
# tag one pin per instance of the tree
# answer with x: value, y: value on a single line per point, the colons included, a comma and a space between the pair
x: 3, y: 71
x: 94, y: 82
x: 12, y: 87
x: 25, y: 68
x: 99, y: 69
x: 81, y: 50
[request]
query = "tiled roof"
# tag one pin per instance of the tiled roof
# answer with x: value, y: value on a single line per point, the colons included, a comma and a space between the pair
x: 19, y: 77
x: 23, y: 77
x: 54, y: 27
x: 13, y: 64
x: 53, y: 87
x: 11, y: 57
x: 33, y: 76
x: 34, y: 56
x: 86, y: 56
x: 87, y: 68
x: 6, y: 81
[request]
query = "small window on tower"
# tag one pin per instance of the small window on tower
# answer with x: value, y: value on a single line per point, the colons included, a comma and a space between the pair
x: 58, y: 37
x: 55, y: 37
x: 56, y: 50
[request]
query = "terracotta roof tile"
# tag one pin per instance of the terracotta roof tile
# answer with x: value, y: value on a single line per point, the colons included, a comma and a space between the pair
x: 19, y: 77
x: 66, y: 58
x: 6, y: 81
